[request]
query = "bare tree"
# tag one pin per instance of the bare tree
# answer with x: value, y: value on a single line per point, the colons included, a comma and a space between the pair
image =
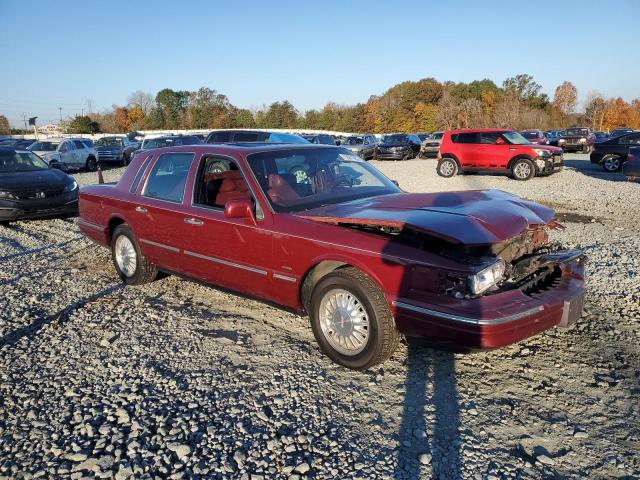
x: 143, y: 100
x: 507, y: 112
x: 471, y: 113
x: 565, y: 98
x: 594, y: 110
x: 448, y: 111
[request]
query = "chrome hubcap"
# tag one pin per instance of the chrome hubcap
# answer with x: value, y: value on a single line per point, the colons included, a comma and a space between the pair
x: 522, y: 170
x: 125, y: 255
x: 612, y: 163
x: 447, y: 168
x: 344, y: 322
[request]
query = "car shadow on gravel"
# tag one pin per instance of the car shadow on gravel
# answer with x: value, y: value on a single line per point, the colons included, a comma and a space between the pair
x: 42, y: 319
x: 593, y: 170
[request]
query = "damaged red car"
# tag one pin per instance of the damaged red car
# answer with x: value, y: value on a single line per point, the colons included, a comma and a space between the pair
x: 317, y: 229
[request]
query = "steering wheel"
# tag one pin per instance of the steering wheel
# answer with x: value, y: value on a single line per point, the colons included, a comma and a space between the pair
x: 300, y: 172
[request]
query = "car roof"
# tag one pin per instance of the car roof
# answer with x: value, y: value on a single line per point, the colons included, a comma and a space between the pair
x: 481, y: 130
x: 244, y: 148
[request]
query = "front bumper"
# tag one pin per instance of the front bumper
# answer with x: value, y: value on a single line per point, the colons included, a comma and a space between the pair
x: 496, y: 320
x: 16, y: 213
x: 398, y: 155
x: 573, y: 147
x: 548, y: 165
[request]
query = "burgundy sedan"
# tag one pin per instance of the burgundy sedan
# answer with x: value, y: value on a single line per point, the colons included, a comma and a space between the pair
x: 535, y: 136
x: 317, y: 229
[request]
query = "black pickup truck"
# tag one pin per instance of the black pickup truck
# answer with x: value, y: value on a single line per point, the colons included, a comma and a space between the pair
x: 612, y: 153
x: 577, y: 139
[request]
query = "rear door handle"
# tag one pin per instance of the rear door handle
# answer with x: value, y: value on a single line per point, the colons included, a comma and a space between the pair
x: 193, y: 221
x: 141, y: 209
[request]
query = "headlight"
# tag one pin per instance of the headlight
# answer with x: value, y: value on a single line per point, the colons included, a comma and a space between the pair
x: 541, y: 152
x: 71, y: 187
x: 7, y: 196
x: 487, y: 278
x: 562, y: 140
x: 582, y: 140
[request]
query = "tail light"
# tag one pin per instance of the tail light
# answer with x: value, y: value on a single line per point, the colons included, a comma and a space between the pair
x: 631, y: 157
x: 593, y: 148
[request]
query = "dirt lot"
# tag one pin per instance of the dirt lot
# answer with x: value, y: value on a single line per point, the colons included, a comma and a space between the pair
x: 178, y: 380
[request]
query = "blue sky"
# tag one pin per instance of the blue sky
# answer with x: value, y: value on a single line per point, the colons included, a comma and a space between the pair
x: 61, y: 53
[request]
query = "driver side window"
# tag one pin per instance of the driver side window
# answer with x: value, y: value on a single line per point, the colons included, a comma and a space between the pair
x: 219, y: 180
x: 64, y: 148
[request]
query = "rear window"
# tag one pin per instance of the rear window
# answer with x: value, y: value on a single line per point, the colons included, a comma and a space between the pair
x: 576, y: 131
x: 530, y: 135
x: 168, y: 177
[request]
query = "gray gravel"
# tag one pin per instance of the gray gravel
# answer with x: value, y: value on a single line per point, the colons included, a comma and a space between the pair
x: 177, y: 380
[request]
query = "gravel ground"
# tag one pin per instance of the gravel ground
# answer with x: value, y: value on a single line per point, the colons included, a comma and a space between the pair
x: 178, y: 380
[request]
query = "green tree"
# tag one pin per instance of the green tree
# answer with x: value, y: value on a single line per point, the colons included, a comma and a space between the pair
x: 172, y: 104
x: 527, y: 90
x: 5, y: 129
x: 83, y: 124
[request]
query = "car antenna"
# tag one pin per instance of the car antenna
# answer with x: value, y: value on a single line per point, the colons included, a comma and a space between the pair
x: 100, y: 177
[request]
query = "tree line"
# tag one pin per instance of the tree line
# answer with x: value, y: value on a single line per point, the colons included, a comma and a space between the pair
x: 425, y: 105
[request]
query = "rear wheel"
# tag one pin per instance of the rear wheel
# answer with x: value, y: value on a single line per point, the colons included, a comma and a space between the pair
x: 523, y: 169
x: 351, y: 320
x: 611, y: 163
x: 447, y: 167
x: 132, y: 267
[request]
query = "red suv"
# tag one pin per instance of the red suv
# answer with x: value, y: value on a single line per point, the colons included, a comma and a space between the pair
x: 494, y: 150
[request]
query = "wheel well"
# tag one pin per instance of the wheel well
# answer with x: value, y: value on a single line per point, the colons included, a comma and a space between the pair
x: 452, y: 157
x: 314, y: 275
x: 518, y: 157
x: 113, y: 224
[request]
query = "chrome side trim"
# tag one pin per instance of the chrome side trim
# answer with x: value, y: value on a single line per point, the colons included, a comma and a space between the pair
x: 225, y: 262
x: 89, y: 224
x: 160, y: 245
x: 286, y: 278
x: 470, y: 320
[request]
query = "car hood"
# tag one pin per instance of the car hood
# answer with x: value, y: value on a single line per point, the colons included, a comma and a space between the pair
x: 393, y: 144
x: 44, y: 179
x: 473, y: 217
x: 551, y: 148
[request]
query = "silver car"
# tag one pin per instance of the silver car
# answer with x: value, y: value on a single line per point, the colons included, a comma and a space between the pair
x: 362, y: 145
x: 67, y: 153
x: 431, y: 146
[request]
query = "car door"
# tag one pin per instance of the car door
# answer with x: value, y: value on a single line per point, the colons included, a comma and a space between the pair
x: 158, y: 214
x: 81, y: 153
x: 231, y: 252
x: 467, y: 149
x: 67, y: 153
x: 491, y: 150
x: 628, y: 141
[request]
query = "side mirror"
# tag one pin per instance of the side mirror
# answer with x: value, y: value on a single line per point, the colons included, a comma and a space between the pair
x: 239, y: 208
x: 395, y: 182
x: 499, y: 141
x: 338, y: 143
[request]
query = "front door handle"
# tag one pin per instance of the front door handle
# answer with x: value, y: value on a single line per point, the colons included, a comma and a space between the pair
x: 141, y: 209
x: 193, y: 221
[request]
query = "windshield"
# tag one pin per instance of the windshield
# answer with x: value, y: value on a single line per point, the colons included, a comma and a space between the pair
x: 396, y: 138
x: 515, y: 138
x: 353, y: 141
x: 11, y: 162
x: 109, y: 142
x: 530, y: 135
x: 157, y: 143
x: 299, y: 179
x: 576, y: 131
x: 44, y: 147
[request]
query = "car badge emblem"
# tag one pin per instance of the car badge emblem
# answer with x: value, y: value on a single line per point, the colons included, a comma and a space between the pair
x: 40, y: 195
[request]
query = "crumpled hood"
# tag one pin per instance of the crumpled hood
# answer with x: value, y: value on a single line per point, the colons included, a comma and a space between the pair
x: 473, y: 217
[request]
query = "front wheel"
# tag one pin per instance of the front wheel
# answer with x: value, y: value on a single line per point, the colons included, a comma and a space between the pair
x: 132, y: 267
x: 91, y: 164
x: 447, y: 168
x: 586, y: 149
x: 611, y: 163
x: 523, y: 169
x: 351, y: 320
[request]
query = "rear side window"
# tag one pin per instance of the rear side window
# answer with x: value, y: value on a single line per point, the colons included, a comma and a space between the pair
x: 136, y: 180
x: 168, y: 177
x: 630, y: 139
x: 489, y: 138
x: 78, y: 144
x: 464, y: 138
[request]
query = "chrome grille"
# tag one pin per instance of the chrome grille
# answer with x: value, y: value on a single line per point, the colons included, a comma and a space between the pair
x: 37, y: 194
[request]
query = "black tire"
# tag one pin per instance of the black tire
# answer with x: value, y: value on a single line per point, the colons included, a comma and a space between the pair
x: 91, y: 164
x: 523, y: 169
x: 611, y: 163
x: 145, y: 271
x: 586, y: 149
x: 447, y: 167
x: 383, y: 337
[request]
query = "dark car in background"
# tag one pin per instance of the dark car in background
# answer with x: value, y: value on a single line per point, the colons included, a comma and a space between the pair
x: 17, y: 143
x: 115, y: 149
x: 431, y: 145
x: 616, y: 132
x: 252, y: 136
x: 362, y: 145
x: 601, y: 136
x: 577, y: 139
x: 613, y: 152
x: 535, y: 136
x: 167, y: 141
x: 553, y: 136
x: 322, y: 139
x: 398, y: 146
x: 29, y: 188
x: 631, y: 168
x: 423, y: 136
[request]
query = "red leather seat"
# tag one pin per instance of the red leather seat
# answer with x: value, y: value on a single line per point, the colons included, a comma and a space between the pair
x: 280, y: 191
x: 233, y: 186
